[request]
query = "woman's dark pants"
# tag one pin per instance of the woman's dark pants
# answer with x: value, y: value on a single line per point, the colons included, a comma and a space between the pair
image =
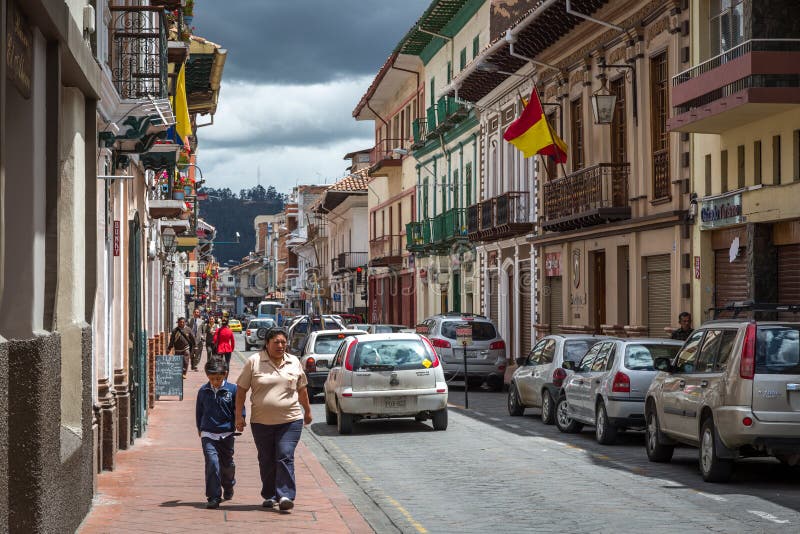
x: 276, y: 445
x: 227, y: 356
x: 220, y: 469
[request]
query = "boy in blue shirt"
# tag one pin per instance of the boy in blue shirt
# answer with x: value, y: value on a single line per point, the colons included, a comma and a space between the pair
x: 216, y: 403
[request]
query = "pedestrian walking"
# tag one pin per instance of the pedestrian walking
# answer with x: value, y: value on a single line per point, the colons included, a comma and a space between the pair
x: 216, y: 402
x: 224, y: 342
x: 278, y: 386
x: 211, y: 329
x: 685, y: 330
x: 198, y: 328
x: 181, y: 341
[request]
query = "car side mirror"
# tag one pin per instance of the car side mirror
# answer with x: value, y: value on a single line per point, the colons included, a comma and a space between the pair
x: 568, y: 365
x: 521, y: 360
x: 663, y: 364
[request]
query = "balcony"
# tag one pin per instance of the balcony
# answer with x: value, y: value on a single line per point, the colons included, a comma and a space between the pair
x: 590, y: 196
x: 443, y: 116
x: 383, y: 154
x: 414, y: 236
x: 430, y: 116
x: 500, y: 217
x: 753, y: 80
x: 139, y: 52
x: 317, y: 230
x: 419, y: 129
x: 348, y: 261
x: 386, y: 250
x: 448, y: 227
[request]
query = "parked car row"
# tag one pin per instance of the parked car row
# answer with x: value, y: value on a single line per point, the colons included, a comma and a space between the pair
x: 732, y: 390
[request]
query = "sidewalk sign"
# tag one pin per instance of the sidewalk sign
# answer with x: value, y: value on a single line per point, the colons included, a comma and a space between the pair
x: 464, y: 338
x: 169, y: 376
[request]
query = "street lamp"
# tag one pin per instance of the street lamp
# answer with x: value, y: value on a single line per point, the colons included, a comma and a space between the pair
x: 169, y: 240
x: 603, y: 104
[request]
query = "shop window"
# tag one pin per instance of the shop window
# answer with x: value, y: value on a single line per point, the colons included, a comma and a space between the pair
x: 757, y: 162
x: 776, y: 159
x: 726, y: 25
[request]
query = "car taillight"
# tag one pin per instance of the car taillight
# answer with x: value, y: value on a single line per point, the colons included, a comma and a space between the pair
x: 497, y: 345
x: 747, y: 365
x: 440, y: 343
x: 558, y: 376
x: 247, y: 333
x: 622, y: 383
x: 311, y: 365
x: 348, y: 363
x: 433, y: 351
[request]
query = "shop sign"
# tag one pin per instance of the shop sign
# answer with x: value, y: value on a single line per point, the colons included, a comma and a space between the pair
x: 697, y: 267
x: 337, y: 297
x: 552, y: 264
x: 19, y: 51
x: 116, y: 238
x: 721, y: 211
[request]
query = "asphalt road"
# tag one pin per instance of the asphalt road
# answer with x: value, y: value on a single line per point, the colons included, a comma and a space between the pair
x: 492, y: 472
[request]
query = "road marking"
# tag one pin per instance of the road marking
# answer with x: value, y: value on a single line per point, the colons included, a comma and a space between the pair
x: 495, y: 419
x: 407, y: 515
x: 478, y: 413
x: 601, y: 457
x: 512, y: 425
x: 768, y: 517
x: 712, y: 497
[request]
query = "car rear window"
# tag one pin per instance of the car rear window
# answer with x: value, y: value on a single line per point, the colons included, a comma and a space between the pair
x: 778, y: 350
x: 574, y: 350
x: 641, y: 357
x: 394, y: 354
x: 260, y: 324
x: 328, y: 343
x: 481, y: 330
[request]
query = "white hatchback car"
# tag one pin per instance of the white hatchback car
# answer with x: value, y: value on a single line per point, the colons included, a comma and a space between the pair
x: 378, y: 376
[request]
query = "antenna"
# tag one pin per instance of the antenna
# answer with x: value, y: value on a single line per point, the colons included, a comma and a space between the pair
x: 258, y: 175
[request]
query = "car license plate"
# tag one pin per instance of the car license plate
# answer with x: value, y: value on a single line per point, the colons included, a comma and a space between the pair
x: 394, y: 402
x: 322, y: 364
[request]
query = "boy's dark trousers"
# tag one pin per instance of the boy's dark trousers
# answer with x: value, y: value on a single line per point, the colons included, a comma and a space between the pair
x: 220, y: 469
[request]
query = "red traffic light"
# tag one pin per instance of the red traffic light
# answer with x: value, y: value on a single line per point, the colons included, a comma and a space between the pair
x: 358, y: 269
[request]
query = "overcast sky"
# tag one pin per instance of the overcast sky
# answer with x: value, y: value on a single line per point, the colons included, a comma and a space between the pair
x: 295, y: 71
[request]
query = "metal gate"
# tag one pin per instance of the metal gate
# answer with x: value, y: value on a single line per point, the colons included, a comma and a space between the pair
x: 730, y: 278
x: 658, y: 295
x: 493, y: 295
x: 525, y: 329
x: 137, y: 366
x: 788, y: 278
x: 555, y: 304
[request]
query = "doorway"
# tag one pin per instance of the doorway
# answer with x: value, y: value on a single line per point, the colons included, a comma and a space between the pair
x: 598, y: 281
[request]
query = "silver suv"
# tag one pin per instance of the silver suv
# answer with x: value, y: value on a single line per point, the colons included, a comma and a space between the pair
x: 733, y: 390
x: 256, y: 333
x: 539, y: 377
x: 486, y: 357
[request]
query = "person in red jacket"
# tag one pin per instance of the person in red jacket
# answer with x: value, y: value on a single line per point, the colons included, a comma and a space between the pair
x: 223, y: 340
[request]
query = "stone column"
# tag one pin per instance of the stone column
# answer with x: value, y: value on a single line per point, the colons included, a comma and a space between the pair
x: 123, y: 408
x: 109, y: 432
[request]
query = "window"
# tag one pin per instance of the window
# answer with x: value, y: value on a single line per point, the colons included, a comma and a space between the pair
x: 392, y: 355
x: 462, y: 61
x: 723, y: 170
x: 536, y: 353
x: 449, y: 72
x: 425, y: 184
x: 548, y: 352
x: 444, y: 193
x: 599, y: 363
x: 778, y: 350
x: 619, y: 134
x: 684, y: 363
x: 574, y: 350
x: 659, y: 102
x: 328, y: 343
x: 740, y: 166
x: 640, y: 357
x: 724, y: 352
x: 586, y: 361
x: 576, y: 116
x: 705, y: 361
x: 776, y: 159
x: 757, y: 162
x: 708, y: 174
x: 475, y: 46
x: 481, y: 330
x: 432, y: 95
x: 726, y: 25
x: 550, y: 163
x: 468, y: 182
x: 456, y: 187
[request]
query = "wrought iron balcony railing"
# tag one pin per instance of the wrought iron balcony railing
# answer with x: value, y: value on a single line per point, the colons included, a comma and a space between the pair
x: 661, y: 178
x: 384, y: 150
x: 419, y: 129
x: 414, y: 239
x: 139, y: 52
x: 500, y: 217
x: 587, y: 197
x: 386, y: 250
x: 349, y: 260
x: 317, y: 230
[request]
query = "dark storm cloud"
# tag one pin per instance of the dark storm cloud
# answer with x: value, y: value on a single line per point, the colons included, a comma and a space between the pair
x: 305, y: 41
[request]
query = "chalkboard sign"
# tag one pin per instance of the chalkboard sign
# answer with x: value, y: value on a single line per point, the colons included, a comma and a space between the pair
x: 169, y: 376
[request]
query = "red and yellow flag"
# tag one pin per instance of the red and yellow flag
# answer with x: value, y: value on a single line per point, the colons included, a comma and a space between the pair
x: 532, y: 134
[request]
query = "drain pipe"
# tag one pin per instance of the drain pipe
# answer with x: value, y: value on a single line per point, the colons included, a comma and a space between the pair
x: 574, y: 13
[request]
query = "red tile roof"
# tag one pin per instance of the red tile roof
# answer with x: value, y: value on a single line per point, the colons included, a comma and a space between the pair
x: 355, y: 182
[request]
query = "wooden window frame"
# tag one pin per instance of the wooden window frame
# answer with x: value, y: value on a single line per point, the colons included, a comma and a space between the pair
x: 659, y: 134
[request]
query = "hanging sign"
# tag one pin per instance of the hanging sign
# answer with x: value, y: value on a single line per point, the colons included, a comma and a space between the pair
x: 19, y: 51
x: 116, y: 238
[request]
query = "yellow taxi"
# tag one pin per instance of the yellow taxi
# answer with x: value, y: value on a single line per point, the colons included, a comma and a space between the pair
x: 235, y: 325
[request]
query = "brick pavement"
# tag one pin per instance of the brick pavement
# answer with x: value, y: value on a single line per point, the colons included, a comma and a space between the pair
x: 158, y: 485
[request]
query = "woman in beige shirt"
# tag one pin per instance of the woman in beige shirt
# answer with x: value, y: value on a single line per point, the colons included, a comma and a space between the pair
x: 278, y: 385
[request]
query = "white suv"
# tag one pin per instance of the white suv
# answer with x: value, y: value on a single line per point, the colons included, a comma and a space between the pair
x: 385, y: 375
x: 486, y: 357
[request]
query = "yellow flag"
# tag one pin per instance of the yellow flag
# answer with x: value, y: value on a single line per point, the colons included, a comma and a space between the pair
x: 180, y: 105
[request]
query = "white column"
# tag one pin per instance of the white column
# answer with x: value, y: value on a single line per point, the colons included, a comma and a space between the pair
x: 517, y: 301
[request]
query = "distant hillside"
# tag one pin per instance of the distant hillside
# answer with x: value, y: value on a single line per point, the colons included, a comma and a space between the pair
x: 230, y: 213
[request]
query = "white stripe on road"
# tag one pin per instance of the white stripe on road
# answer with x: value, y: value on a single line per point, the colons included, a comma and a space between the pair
x: 512, y: 425
x: 495, y: 419
x: 768, y: 517
x: 713, y: 497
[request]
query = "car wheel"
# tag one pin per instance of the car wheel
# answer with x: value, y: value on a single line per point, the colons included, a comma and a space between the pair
x: 439, y: 418
x: 548, y: 408
x: 563, y: 421
x: 656, y: 451
x: 344, y: 422
x: 605, y: 432
x: 330, y: 416
x: 713, y: 468
x: 515, y: 408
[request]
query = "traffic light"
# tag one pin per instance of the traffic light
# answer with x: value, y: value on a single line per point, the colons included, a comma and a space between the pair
x: 359, y: 275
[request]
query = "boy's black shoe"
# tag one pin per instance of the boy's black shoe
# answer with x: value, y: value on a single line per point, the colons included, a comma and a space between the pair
x: 285, y: 504
x: 213, y: 503
x: 227, y: 495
